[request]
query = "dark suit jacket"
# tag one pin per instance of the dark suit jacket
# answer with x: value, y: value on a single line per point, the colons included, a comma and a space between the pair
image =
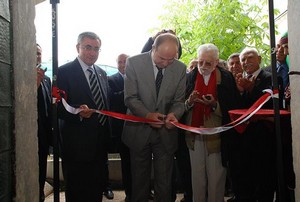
x: 81, y: 138
x: 263, y: 81
x: 116, y: 84
x: 44, y: 115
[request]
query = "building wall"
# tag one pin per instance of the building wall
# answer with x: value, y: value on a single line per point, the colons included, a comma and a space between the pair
x: 25, y: 100
x: 294, y: 50
x: 18, y: 116
x: 6, y: 123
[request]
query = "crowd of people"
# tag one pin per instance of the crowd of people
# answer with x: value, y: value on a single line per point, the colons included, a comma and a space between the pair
x: 157, y: 86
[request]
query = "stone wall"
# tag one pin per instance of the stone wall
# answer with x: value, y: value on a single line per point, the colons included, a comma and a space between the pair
x: 18, y: 116
x: 6, y: 102
x: 25, y: 100
x: 294, y: 50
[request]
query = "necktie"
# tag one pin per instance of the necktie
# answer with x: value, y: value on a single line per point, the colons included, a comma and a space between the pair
x: 96, y: 92
x: 159, y: 78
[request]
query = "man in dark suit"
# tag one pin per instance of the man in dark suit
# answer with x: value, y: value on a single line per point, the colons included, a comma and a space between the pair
x: 154, y: 89
x: 253, y: 161
x: 84, y: 135
x: 116, y: 84
x: 44, y: 120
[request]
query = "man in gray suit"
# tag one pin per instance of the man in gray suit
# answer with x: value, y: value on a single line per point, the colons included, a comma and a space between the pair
x: 154, y: 89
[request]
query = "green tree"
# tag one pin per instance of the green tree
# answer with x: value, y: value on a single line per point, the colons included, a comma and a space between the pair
x: 229, y: 24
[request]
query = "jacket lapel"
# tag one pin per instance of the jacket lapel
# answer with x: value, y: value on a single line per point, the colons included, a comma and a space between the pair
x: 167, y: 80
x: 150, y: 79
x: 80, y: 77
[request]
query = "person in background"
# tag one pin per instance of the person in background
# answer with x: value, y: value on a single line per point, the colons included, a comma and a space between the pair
x: 116, y: 84
x: 211, y: 92
x: 154, y: 89
x: 282, y: 68
x: 282, y: 65
x: 234, y: 64
x: 84, y: 135
x: 44, y: 119
x: 235, y: 67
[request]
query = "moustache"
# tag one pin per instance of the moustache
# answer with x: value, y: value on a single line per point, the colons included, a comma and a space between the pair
x: 248, y: 65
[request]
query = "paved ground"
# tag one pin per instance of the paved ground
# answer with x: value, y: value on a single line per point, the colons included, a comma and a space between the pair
x: 119, y: 195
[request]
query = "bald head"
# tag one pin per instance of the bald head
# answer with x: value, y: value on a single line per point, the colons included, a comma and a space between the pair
x: 165, y: 50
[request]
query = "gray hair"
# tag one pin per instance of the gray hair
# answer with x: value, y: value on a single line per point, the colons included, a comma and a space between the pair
x: 247, y: 50
x: 233, y: 55
x: 209, y: 47
x: 90, y: 35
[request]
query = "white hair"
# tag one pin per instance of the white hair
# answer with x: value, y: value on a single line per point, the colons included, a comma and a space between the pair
x: 209, y: 47
x: 247, y: 50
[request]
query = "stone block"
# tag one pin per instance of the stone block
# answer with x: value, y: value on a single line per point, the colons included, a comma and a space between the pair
x: 6, y: 89
x: 5, y: 123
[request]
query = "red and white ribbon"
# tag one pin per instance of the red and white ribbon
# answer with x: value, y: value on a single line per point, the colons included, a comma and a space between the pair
x: 203, y: 131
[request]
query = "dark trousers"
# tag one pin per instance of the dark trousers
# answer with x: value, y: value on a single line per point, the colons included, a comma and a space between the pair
x: 42, y: 172
x: 126, y: 169
x: 183, y: 175
x: 252, y: 164
x: 107, y: 184
x: 84, y: 180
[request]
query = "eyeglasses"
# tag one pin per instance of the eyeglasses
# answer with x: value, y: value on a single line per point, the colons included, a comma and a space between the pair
x: 207, y: 63
x: 90, y: 48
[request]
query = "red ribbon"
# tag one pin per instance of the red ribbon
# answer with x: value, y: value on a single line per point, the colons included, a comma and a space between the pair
x: 239, y: 123
x: 58, y: 94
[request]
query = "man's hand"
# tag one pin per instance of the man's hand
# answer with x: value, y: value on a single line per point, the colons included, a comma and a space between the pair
x: 170, y: 118
x: 156, y: 117
x: 86, y: 112
x: 194, y: 97
x: 208, y: 100
x: 246, y: 84
x: 40, y: 76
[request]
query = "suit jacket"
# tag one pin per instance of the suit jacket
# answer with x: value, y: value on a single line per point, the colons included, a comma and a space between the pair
x: 44, y: 115
x: 263, y: 81
x: 140, y: 98
x: 81, y: 138
x: 116, y: 84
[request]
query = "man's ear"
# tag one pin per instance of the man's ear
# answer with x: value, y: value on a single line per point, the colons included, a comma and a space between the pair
x: 77, y: 48
x: 259, y: 59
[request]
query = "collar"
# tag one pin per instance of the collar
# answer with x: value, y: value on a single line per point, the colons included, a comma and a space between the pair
x: 84, y: 66
x: 123, y: 75
x: 255, y: 74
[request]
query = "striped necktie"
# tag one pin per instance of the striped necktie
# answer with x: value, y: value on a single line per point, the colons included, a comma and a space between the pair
x: 96, y: 92
x: 158, y: 80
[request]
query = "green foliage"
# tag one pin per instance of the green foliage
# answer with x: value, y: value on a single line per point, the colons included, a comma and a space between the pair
x: 231, y: 25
